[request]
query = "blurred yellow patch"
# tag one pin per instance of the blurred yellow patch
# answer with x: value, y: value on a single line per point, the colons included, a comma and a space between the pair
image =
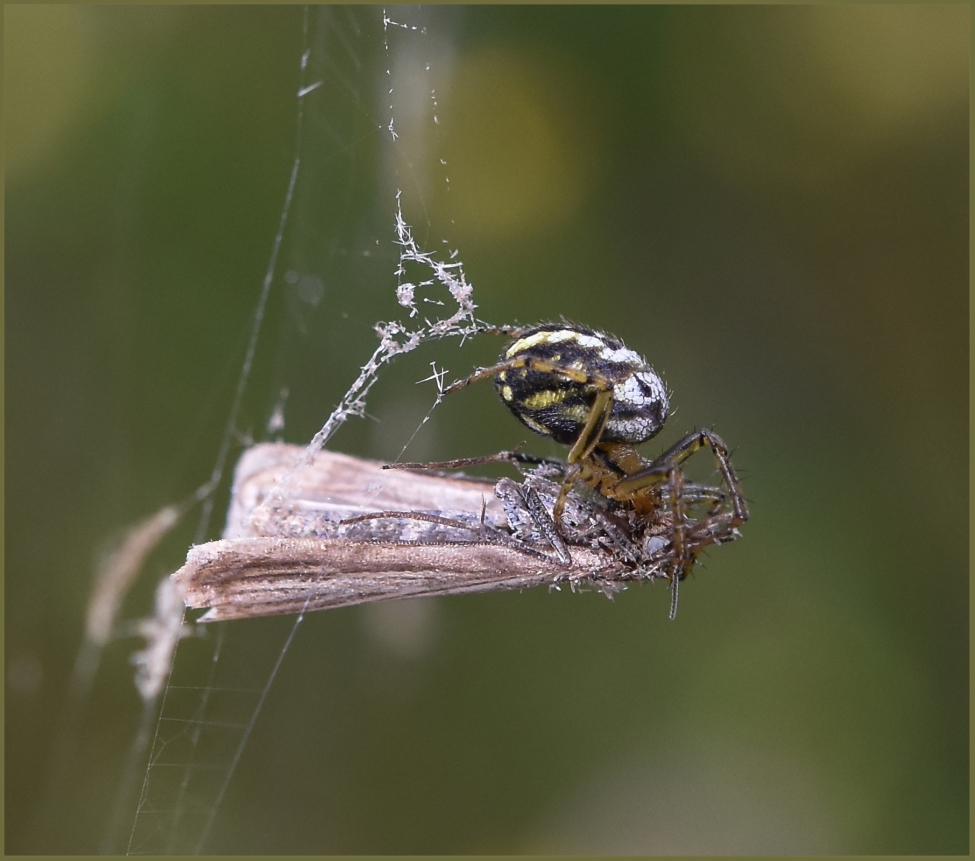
x: 48, y: 71
x: 520, y: 146
x: 799, y: 96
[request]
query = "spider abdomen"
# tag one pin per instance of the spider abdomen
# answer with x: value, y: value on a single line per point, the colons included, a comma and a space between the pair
x: 556, y: 373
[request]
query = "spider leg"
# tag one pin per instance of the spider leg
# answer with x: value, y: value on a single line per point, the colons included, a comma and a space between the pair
x: 659, y: 470
x: 501, y: 457
x: 667, y: 475
x: 510, y: 331
x: 592, y: 430
x: 701, y: 494
x: 683, y: 559
x: 530, y: 362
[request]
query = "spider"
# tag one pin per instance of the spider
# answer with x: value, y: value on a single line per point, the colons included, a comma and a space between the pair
x: 587, y: 390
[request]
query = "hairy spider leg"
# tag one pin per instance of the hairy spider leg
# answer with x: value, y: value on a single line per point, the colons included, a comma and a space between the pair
x: 681, y: 558
x: 688, y: 543
x: 676, y: 455
x: 701, y: 494
x: 514, y: 456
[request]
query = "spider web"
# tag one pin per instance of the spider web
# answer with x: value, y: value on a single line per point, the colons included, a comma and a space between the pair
x: 343, y: 256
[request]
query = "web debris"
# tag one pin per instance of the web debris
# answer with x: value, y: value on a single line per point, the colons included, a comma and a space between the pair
x: 396, y: 338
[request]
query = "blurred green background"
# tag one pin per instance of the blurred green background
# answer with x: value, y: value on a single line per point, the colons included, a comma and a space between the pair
x: 770, y: 203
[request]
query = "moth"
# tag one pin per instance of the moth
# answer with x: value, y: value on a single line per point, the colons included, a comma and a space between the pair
x: 347, y: 532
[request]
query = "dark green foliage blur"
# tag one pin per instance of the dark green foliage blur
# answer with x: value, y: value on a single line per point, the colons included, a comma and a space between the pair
x: 770, y: 203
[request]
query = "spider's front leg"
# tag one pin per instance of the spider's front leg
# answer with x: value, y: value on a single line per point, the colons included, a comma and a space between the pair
x: 514, y: 457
